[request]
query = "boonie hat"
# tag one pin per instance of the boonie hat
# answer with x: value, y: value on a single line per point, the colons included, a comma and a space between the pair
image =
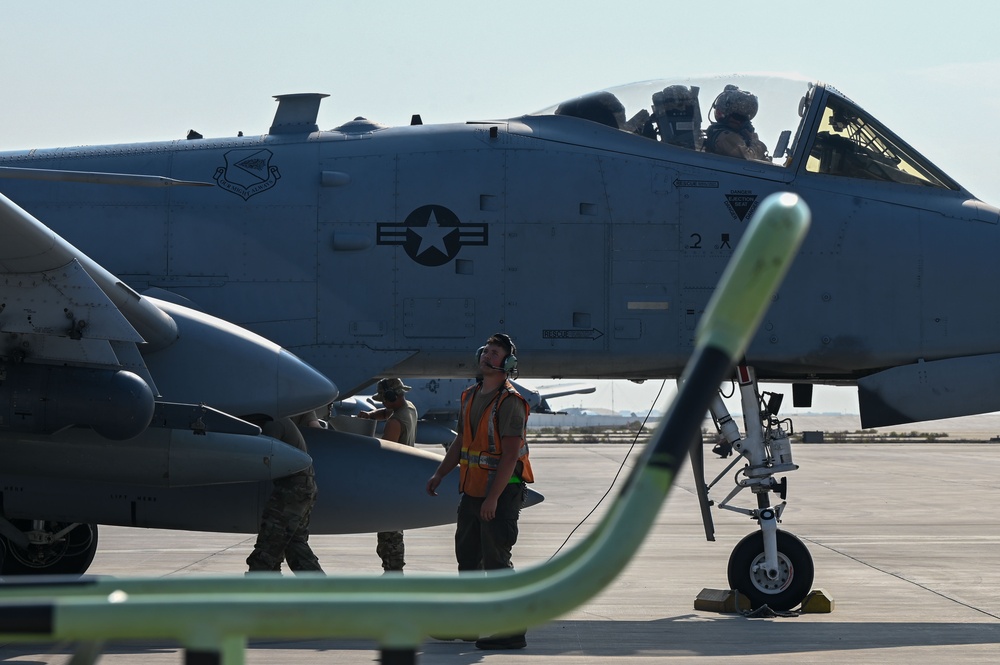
x: 386, y: 385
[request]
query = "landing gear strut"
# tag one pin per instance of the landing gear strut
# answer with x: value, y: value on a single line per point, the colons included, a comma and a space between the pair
x: 770, y: 567
x: 37, y: 547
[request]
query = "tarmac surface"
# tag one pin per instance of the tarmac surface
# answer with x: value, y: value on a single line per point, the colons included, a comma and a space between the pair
x: 905, y: 539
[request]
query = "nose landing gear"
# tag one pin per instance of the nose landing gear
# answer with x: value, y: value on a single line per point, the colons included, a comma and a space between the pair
x: 770, y: 567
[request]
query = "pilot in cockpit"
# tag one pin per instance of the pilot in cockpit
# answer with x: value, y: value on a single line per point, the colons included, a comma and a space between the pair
x: 732, y: 133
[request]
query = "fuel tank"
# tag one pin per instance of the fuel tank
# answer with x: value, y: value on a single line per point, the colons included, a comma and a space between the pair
x: 365, y: 485
x: 43, y: 399
x: 156, y: 458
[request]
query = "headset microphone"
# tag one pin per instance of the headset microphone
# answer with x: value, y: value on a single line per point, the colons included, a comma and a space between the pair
x: 509, y: 362
x: 502, y: 368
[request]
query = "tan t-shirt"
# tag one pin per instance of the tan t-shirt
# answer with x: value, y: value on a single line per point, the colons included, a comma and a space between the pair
x: 406, y: 416
x: 511, y: 415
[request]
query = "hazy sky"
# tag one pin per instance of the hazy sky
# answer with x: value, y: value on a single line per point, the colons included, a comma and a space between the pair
x: 116, y: 71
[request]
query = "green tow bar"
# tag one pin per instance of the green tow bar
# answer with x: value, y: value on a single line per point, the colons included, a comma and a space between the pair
x: 213, y: 617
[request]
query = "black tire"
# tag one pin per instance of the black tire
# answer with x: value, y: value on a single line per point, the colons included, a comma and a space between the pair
x: 795, y: 576
x: 70, y: 556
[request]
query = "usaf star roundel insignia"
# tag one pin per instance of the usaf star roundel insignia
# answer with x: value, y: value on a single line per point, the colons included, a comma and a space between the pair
x: 432, y: 235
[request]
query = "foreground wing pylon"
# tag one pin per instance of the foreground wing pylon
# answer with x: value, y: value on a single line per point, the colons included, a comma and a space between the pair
x: 31, y: 248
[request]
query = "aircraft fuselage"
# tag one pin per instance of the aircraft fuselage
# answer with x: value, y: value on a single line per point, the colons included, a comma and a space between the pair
x: 373, y: 251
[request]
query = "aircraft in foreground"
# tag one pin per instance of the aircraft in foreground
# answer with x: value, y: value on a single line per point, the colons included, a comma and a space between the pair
x: 124, y: 409
x: 611, y: 202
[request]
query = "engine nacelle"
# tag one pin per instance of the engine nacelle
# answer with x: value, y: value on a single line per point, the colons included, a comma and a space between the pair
x: 229, y: 368
x: 44, y: 399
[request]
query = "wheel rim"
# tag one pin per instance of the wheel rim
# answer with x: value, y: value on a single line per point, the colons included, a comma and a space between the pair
x: 43, y: 555
x: 764, y: 584
x: 40, y: 556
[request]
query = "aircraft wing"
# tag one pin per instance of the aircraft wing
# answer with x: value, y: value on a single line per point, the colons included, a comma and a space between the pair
x: 538, y: 397
x: 563, y: 389
x: 76, y: 338
x: 60, y: 307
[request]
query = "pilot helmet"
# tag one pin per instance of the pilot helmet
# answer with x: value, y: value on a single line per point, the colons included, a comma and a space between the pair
x: 674, y: 98
x: 732, y: 100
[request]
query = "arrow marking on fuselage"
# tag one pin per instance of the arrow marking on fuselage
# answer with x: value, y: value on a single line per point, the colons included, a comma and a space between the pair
x: 593, y: 333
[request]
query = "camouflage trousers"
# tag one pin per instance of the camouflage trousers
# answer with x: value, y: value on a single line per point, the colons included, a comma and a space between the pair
x: 284, y: 527
x: 390, y: 550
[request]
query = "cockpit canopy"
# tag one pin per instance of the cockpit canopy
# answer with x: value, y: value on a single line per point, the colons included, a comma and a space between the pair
x: 802, y: 125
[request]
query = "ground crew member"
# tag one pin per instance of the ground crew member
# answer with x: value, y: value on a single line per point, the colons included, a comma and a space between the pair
x: 400, y: 426
x: 284, y: 525
x: 492, y: 455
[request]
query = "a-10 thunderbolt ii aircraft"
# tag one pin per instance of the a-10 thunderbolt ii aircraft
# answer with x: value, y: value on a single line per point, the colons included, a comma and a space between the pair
x: 592, y: 232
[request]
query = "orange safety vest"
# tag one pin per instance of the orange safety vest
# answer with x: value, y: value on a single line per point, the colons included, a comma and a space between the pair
x: 481, y: 453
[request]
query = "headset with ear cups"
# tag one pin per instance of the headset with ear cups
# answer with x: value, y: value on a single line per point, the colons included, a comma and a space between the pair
x: 388, y: 394
x: 509, y: 362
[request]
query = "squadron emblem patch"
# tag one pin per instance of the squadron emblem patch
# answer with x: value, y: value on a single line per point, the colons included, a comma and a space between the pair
x: 247, y: 172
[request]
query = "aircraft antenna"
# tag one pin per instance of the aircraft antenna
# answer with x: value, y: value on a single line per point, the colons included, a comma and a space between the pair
x: 296, y: 113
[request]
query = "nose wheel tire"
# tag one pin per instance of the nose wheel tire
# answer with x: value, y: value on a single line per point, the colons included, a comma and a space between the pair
x: 795, y: 572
